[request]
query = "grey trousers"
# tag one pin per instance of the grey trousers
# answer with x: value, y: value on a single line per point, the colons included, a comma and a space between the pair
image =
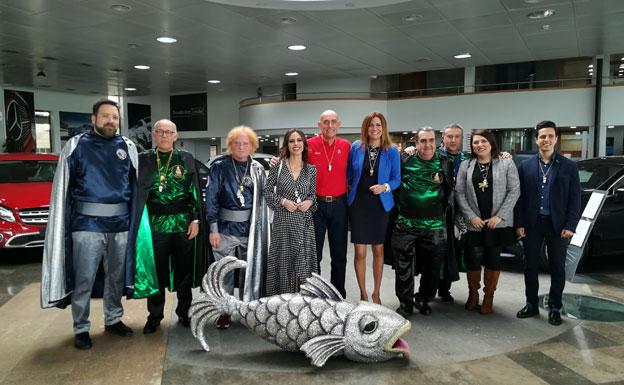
x: 89, y: 248
x: 235, y: 247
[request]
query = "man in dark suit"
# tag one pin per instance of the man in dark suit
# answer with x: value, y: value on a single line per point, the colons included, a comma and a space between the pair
x: 548, y: 211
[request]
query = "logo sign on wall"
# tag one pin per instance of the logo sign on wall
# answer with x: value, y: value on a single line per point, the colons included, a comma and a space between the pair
x: 188, y: 112
x: 19, y: 107
x: 140, y: 125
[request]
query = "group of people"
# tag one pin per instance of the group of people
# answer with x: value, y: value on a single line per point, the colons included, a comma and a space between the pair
x: 123, y: 223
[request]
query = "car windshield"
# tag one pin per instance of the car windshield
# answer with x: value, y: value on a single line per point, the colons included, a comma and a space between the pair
x: 23, y: 171
x: 593, y: 175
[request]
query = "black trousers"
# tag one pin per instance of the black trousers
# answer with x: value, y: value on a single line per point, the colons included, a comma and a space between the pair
x: 557, y: 248
x: 173, y: 254
x: 453, y: 255
x: 417, y: 251
x: 333, y: 218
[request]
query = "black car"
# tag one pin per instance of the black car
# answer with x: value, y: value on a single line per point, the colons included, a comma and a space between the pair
x: 606, y: 238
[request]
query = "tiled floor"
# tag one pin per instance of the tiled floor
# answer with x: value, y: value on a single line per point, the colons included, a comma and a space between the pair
x: 452, y: 346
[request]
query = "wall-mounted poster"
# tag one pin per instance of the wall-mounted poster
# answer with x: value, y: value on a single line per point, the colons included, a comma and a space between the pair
x: 74, y: 123
x: 189, y: 112
x: 140, y: 125
x: 19, y: 109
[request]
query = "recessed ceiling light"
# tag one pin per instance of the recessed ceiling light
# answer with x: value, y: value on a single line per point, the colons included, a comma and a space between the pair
x: 166, y: 39
x: 465, y: 55
x: 297, y: 47
x: 267, y: 135
x: 130, y: 89
x: 413, y: 132
x: 120, y: 7
x: 541, y: 14
x: 142, y: 67
x: 590, y: 66
x: 288, y: 20
x: 572, y: 126
x: 404, y: 132
x: 533, y: 1
x: 621, y: 66
x: 213, y: 138
x: 546, y: 27
x: 412, y: 17
x: 214, y: 81
x: 291, y: 73
x: 610, y: 126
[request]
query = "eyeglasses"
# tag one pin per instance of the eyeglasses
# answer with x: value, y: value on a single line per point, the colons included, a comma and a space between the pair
x: 165, y: 133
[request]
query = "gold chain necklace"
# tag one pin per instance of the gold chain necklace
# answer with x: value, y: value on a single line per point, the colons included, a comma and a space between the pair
x: 162, y: 176
x: 483, y: 185
x: 329, y: 161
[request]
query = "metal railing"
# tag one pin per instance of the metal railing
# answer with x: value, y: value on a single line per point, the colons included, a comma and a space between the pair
x: 420, y: 92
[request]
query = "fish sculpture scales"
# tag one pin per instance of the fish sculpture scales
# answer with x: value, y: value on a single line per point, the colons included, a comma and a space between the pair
x: 316, y: 321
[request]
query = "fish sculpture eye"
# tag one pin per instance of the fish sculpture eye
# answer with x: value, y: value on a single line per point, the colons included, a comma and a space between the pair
x: 370, y: 327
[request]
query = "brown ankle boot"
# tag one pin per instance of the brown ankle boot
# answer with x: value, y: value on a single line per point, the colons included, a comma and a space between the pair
x: 490, y: 280
x: 474, y: 282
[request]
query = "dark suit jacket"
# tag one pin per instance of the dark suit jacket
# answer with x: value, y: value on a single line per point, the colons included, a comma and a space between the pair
x: 565, y: 194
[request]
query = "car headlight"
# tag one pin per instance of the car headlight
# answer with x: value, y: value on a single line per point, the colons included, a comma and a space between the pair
x: 6, y: 214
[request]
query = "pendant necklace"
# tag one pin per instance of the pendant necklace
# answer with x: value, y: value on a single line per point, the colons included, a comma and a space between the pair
x: 372, y: 158
x: 329, y: 161
x: 297, y: 197
x: 545, y: 173
x: 162, y: 176
x: 485, y: 170
x: 242, y: 182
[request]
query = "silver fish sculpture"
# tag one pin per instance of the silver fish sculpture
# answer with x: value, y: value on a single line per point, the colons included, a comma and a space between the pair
x: 316, y: 321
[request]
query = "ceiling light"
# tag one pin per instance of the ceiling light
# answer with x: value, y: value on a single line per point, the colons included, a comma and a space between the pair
x: 465, y: 55
x: 120, y: 7
x: 546, y: 27
x: 288, y: 20
x: 412, y: 17
x: 572, y: 126
x: 621, y: 66
x: 610, y: 126
x: 130, y: 89
x: 413, y: 132
x: 404, y: 132
x: 267, y: 135
x: 213, y: 138
x: 42, y: 113
x: 214, y: 81
x: 541, y: 14
x: 533, y: 1
x: 297, y: 47
x: 590, y: 66
x: 142, y: 67
x: 166, y: 39
x: 291, y: 73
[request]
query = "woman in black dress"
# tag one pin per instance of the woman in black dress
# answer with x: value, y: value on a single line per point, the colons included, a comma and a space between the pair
x: 373, y: 171
x: 487, y: 188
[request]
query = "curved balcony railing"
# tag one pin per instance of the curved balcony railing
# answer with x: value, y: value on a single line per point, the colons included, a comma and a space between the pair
x: 421, y: 92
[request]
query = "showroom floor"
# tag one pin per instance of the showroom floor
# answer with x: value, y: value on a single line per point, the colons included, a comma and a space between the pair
x: 452, y: 346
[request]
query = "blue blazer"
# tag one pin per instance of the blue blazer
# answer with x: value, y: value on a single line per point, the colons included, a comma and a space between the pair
x: 389, y: 172
x: 565, y: 194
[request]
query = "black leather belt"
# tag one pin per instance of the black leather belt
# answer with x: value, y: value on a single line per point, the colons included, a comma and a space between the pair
x: 329, y: 198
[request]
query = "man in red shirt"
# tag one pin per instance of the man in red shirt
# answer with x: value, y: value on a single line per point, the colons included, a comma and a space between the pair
x: 330, y: 154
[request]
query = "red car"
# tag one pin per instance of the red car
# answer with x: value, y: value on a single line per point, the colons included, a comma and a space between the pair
x: 25, y: 185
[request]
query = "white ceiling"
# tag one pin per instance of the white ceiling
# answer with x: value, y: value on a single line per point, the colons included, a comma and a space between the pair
x: 84, y: 45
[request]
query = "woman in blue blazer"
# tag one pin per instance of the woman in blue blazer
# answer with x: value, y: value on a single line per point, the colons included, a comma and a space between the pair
x: 373, y: 171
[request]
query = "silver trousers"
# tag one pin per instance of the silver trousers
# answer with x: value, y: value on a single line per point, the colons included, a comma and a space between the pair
x: 231, y: 245
x: 89, y: 249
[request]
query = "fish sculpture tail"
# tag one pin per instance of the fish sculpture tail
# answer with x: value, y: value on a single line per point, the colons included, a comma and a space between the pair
x: 214, y: 301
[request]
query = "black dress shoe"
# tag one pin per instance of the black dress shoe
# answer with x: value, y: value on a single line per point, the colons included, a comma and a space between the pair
x: 82, y: 341
x: 528, y: 311
x: 405, y: 310
x: 119, y: 329
x: 151, y: 326
x: 554, y: 318
x: 184, y: 322
x: 446, y: 297
x: 424, y: 309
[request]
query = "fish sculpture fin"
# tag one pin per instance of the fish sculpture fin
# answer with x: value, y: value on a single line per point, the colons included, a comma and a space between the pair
x: 320, y: 349
x: 317, y: 286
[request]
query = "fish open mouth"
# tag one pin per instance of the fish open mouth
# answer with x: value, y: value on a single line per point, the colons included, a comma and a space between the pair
x: 398, y: 345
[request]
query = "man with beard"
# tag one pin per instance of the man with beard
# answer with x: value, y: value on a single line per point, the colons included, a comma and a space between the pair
x: 90, y: 211
x: 419, y: 238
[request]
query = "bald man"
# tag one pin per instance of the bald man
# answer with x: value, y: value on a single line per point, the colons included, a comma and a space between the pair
x: 330, y: 155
